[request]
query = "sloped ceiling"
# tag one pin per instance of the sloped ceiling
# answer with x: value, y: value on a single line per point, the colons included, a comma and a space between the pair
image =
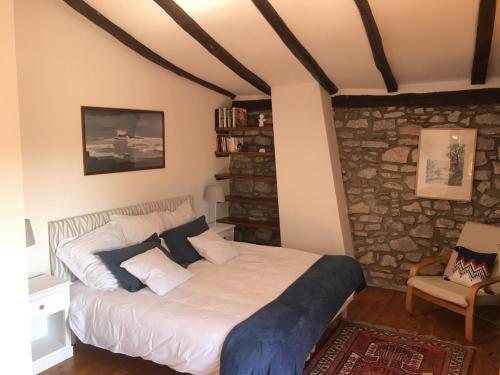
x: 429, y: 44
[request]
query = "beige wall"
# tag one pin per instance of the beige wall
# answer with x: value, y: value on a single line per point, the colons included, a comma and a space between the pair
x: 64, y: 62
x: 313, y: 213
x: 14, y: 345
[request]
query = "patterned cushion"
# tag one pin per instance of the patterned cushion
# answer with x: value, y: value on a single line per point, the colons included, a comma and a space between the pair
x: 471, y: 267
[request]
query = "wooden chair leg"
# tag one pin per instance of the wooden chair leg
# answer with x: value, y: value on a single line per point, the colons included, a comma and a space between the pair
x: 469, y: 324
x: 409, y: 299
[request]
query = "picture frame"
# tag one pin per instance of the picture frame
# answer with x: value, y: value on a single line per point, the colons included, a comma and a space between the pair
x: 122, y: 140
x: 445, y: 167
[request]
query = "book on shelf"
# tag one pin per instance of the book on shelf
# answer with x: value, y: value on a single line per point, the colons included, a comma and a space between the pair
x: 230, y: 118
x: 228, y: 144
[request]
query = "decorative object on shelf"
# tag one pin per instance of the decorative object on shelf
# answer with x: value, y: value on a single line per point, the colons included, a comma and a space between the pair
x: 262, y: 149
x: 121, y: 140
x: 30, y: 237
x: 445, y: 168
x: 214, y: 194
x: 262, y: 120
x: 240, y: 146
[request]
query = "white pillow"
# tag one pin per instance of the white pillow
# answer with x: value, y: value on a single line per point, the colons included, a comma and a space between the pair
x: 213, y: 247
x: 78, y: 255
x: 182, y: 215
x: 158, y: 272
x: 136, y: 228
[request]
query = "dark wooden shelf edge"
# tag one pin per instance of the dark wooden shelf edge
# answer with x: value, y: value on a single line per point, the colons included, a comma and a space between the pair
x: 249, y: 224
x: 242, y: 128
x: 256, y: 201
x: 244, y: 177
x: 243, y: 153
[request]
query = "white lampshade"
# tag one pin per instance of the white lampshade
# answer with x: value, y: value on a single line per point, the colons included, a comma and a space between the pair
x: 214, y: 194
x: 30, y: 238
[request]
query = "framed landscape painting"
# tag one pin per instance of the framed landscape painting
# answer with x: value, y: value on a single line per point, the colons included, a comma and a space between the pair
x: 121, y: 140
x: 445, y: 168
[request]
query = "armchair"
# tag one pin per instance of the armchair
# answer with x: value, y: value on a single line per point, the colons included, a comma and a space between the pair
x: 452, y: 296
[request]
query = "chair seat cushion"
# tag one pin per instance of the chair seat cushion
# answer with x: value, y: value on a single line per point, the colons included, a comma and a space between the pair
x: 446, y: 290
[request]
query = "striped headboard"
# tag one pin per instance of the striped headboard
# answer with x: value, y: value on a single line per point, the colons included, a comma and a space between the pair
x: 78, y: 225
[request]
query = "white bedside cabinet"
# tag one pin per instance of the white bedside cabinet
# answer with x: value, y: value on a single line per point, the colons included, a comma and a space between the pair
x: 50, y: 334
x: 226, y: 231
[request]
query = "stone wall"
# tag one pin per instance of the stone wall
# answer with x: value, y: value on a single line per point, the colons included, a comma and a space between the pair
x: 257, y: 166
x: 392, y: 229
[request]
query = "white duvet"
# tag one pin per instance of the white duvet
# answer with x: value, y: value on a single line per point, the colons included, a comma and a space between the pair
x: 185, y: 329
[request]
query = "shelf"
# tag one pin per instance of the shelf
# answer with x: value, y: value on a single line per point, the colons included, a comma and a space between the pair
x: 242, y: 128
x: 242, y: 153
x: 257, y: 201
x: 228, y: 176
x: 245, y: 223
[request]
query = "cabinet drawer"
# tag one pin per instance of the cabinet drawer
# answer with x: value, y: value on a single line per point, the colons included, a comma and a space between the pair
x: 49, y: 304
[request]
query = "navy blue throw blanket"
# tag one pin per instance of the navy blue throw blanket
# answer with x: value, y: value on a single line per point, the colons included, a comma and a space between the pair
x: 277, y: 338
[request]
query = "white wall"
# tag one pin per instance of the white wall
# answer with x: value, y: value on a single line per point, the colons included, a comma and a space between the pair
x: 65, y: 62
x: 14, y: 324
x: 313, y: 210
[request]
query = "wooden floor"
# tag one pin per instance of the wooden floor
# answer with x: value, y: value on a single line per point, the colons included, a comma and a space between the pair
x: 374, y: 305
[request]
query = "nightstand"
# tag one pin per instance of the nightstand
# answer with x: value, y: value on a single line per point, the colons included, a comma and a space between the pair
x: 226, y: 231
x: 50, y: 334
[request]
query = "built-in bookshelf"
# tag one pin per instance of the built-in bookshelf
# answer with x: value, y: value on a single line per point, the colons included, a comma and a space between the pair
x: 253, y: 207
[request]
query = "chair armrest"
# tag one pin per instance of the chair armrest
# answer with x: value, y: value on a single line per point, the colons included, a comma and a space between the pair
x: 474, y: 289
x: 440, y: 259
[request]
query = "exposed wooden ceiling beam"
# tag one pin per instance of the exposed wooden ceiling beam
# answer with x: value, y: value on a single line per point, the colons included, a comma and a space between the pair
x: 97, y: 18
x: 294, y: 45
x: 376, y: 45
x: 431, y: 99
x: 196, y: 31
x: 484, y: 36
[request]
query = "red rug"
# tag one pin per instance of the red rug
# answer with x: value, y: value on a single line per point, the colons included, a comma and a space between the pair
x: 358, y: 349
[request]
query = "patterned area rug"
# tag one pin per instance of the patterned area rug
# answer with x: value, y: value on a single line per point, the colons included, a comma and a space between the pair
x: 359, y: 349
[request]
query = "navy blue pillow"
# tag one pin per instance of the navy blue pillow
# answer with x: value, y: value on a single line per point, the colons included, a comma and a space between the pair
x: 177, y: 241
x: 114, y: 258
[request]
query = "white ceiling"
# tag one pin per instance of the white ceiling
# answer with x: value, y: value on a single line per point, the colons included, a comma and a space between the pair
x: 429, y: 43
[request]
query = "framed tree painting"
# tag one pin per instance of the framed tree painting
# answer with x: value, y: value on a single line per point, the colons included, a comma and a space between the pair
x: 121, y: 140
x: 445, y: 168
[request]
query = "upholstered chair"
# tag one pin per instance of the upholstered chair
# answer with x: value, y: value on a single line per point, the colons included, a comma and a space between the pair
x: 452, y: 296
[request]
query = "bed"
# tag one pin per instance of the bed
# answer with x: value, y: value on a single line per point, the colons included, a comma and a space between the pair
x: 187, y: 328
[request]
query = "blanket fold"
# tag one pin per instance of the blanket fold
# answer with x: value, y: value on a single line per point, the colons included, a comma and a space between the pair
x: 276, y: 339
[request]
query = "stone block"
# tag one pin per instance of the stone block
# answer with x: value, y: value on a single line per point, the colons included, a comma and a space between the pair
x: 394, y: 114
x: 403, y: 244
x: 370, y: 219
x: 384, y: 125
x: 414, y: 207
x: 488, y: 119
x: 388, y: 261
x: 482, y: 175
x: 442, y: 205
x: 410, y: 130
x: 357, y: 124
x: 359, y: 208
x: 414, y: 257
x: 422, y: 231
x: 444, y: 223
x: 480, y: 159
x: 393, y: 186
x: 454, y: 116
x: 396, y: 155
x: 488, y: 201
x: 374, y: 144
x: 367, y: 173
x: 485, y: 144
x: 367, y: 259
